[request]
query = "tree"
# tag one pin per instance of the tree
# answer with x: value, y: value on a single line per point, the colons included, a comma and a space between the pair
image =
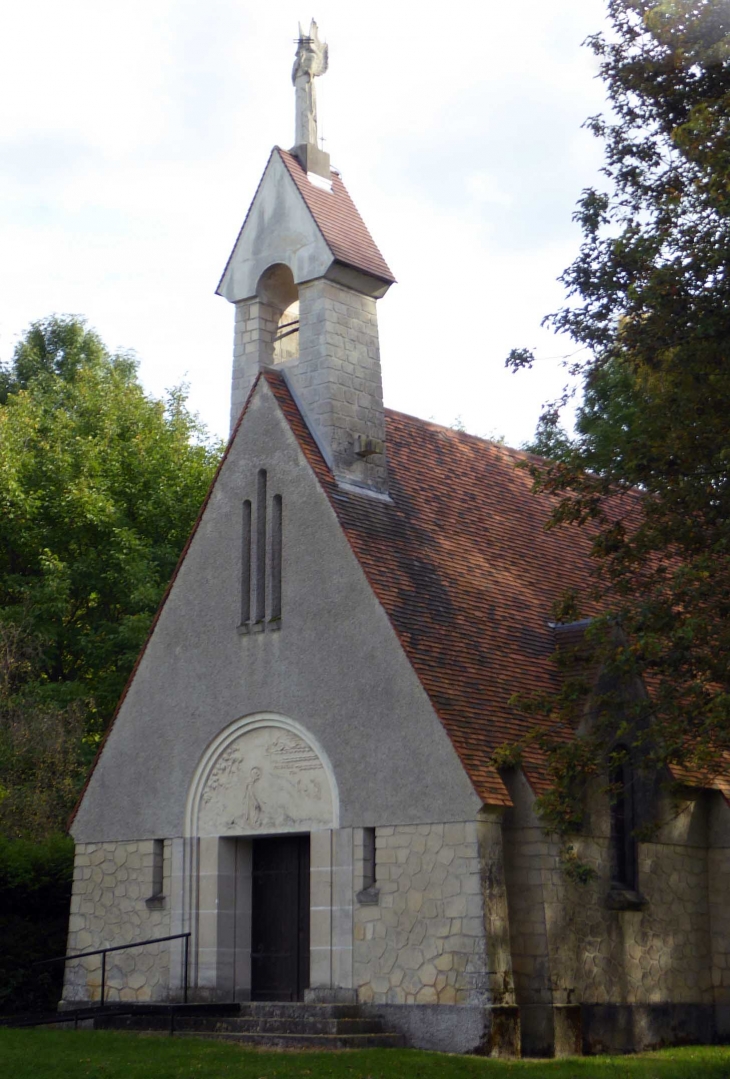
x: 43, y: 758
x: 99, y: 487
x: 648, y: 470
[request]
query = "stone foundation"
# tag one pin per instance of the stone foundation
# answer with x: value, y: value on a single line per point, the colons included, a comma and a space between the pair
x: 465, y: 1028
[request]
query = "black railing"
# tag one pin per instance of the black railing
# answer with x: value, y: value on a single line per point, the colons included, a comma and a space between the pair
x: 103, y: 952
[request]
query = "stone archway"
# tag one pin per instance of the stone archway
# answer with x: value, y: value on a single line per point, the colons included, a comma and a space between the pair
x: 263, y: 776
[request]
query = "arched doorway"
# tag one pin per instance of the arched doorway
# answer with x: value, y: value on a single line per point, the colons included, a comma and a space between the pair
x: 262, y: 789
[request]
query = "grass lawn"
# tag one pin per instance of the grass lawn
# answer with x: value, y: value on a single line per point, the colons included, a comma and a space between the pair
x: 52, y: 1054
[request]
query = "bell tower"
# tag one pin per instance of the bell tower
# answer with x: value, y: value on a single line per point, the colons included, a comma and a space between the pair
x: 305, y: 276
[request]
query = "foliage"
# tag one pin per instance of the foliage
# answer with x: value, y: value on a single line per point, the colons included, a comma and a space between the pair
x: 42, y: 753
x: 35, y: 889
x: 488, y: 436
x: 99, y: 487
x: 649, y: 304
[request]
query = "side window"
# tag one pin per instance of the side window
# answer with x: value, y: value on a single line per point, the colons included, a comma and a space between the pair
x: 246, y: 563
x: 623, y: 844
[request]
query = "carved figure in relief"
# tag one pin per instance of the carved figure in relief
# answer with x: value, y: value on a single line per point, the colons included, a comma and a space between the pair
x: 250, y: 799
x: 268, y: 779
x: 311, y: 60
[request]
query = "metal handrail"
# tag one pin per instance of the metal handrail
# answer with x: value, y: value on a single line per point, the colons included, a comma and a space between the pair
x: 73, y: 1015
x: 123, y: 947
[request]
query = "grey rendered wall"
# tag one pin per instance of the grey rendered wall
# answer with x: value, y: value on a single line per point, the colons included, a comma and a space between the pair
x: 335, y: 667
x: 279, y: 229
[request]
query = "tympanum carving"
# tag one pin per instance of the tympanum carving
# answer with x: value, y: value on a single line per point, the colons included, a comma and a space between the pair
x: 267, y: 780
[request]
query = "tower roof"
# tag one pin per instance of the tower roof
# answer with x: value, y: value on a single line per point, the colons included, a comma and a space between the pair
x: 337, y: 218
x: 308, y: 223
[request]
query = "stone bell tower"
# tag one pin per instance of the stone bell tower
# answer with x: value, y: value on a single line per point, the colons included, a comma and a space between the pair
x: 305, y: 276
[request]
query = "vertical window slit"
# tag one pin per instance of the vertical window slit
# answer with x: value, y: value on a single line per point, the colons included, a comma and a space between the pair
x: 368, y: 858
x: 260, y: 613
x: 622, y: 824
x: 276, y: 545
x: 246, y: 564
x: 158, y: 865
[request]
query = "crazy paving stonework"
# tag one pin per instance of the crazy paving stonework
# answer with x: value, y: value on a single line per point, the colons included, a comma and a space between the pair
x: 425, y: 940
x: 111, y: 904
x: 569, y: 946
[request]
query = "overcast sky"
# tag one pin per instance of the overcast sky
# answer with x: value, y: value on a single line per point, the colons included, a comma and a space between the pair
x: 132, y: 137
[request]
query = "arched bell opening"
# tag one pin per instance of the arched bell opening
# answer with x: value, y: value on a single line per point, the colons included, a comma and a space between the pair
x: 277, y: 288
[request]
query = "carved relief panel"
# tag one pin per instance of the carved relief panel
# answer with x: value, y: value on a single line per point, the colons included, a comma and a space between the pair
x: 266, y: 780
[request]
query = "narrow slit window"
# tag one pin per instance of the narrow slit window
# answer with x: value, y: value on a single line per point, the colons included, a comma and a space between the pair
x: 368, y: 858
x: 623, y: 841
x: 158, y: 864
x: 276, y: 548
x: 246, y: 563
x: 260, y: 613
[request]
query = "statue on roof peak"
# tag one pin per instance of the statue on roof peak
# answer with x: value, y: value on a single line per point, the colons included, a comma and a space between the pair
x: 310, y: 61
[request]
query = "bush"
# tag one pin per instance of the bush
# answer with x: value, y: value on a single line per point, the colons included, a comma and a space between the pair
x: 35, y: 894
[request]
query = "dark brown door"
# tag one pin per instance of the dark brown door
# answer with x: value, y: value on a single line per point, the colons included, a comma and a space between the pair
x: 280, y: 918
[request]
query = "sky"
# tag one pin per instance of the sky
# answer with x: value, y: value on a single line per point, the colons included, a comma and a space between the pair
x: 132, y: 138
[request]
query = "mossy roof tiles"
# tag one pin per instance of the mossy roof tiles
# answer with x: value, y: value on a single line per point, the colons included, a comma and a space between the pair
x: 463, y: 566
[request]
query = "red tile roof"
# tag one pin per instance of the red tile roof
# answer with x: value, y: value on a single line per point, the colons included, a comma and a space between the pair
x: 467, y: 575
x: 338, y: 220
x: 461, y: 563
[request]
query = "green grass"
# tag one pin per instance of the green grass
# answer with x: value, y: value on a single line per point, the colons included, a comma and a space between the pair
x: 56, y: 1054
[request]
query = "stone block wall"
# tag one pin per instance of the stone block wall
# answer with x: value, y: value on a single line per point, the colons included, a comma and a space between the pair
x: 112, y: 903
x: 424, y: 942
x: 650, y: 956
x: 571, y: 946
x: 718, y: 883
x: 337, y: 375
x: 254, y: 331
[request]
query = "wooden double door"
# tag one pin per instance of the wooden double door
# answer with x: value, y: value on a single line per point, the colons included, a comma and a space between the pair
x: 280, y: 918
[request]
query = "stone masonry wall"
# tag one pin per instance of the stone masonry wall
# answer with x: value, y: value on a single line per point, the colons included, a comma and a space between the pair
x: 570, y: 947
x: 424, y: 942
x: 112, y: 904
x: 338, y: 376
x: 718, y: 880
x: 253, y: 345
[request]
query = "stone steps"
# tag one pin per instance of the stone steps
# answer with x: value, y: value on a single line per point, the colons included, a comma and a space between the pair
x: 275, y: 1025
x: 307, y: 1041
x: 244, y: 1025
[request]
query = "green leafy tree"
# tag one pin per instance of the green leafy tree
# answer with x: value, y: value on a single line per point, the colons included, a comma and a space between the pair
x: 99, y: 487
x: 43, y: 756
x: 648, y: 469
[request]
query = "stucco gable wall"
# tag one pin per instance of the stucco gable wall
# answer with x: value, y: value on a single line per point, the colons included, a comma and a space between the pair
x: 279, y: 228
x: 335, y: 667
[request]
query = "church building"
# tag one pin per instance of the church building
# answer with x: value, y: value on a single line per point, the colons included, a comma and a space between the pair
x: 300, y: 775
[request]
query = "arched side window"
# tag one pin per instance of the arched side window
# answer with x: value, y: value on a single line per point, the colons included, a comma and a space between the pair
x: 624, y: 868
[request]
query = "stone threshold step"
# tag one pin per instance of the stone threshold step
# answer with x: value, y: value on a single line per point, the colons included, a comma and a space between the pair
x: 305, y: 1041
x: 248, y: 1024
x: 299, y: 1005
